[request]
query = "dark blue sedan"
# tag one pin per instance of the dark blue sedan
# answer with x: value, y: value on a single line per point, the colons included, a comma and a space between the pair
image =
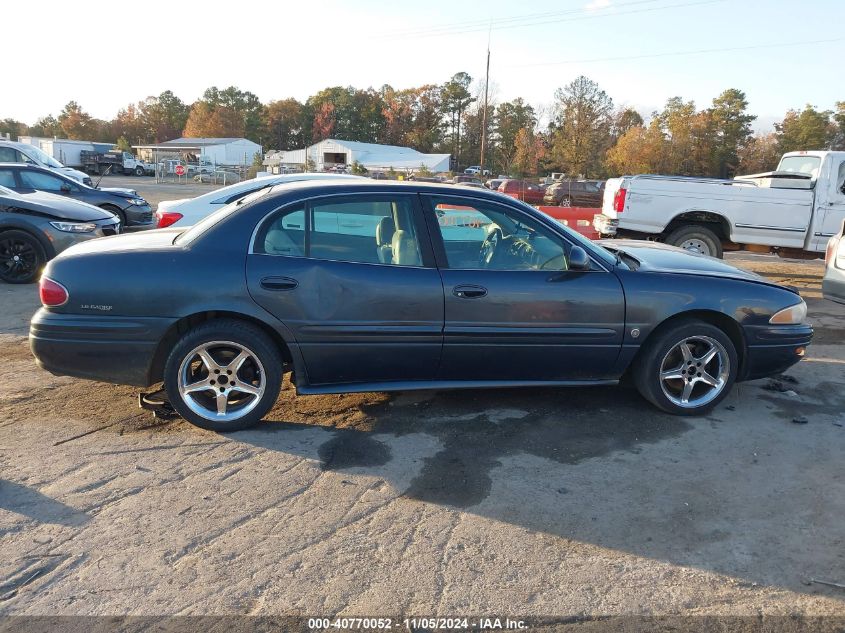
x: 376, y: 286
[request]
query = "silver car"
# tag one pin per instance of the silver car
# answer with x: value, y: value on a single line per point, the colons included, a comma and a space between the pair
x: 833, y: 285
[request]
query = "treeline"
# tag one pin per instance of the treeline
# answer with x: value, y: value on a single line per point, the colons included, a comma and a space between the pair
x: 584, y: 132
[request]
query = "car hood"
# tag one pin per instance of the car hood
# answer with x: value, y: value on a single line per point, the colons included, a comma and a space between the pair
x: 142, y: 240
x: 118, y: 191
x: 65, y: 208
x: 662, y: 258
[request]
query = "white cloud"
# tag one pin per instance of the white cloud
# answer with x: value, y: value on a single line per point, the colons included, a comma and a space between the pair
x: 597, y: 4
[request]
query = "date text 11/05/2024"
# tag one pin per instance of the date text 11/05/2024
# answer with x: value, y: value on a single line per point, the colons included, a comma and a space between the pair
x: 429, y: 623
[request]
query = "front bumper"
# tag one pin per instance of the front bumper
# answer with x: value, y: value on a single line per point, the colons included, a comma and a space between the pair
x: 138, y: 215
x: 605, y: 225
x: 833, y: 284
x: 772, y: 350
x: 106, y: 348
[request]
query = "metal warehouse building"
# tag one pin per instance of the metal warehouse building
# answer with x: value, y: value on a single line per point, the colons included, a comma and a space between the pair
x: 331, y: 152
x: 217, y: 151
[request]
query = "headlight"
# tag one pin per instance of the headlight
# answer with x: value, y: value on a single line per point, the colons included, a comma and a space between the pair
x: 793, y: 315
x: 138, y: 201
x: 75, y: 227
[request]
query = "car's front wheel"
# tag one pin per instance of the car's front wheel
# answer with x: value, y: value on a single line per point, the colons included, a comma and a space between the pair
x: 223, y: 375
x: 687, y: 369
x: 21, y: 257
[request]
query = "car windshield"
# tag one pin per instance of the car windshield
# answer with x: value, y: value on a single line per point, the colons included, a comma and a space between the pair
x: 43, y: 157
x: 808, y: 165
x: 191, y: 234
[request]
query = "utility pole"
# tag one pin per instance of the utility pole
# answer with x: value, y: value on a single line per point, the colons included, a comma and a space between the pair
x: 484, y: 115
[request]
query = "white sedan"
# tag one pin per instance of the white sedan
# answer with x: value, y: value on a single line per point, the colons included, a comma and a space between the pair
x: 189, y: 211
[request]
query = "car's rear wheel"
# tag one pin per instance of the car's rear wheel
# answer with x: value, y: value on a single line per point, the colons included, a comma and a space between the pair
x: 687, y: 369
x: 697, y: 239
x: 21, y: 257
x: 224, y: 375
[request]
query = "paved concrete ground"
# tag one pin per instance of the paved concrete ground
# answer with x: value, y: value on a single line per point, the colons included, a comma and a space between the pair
x: 537, y: 502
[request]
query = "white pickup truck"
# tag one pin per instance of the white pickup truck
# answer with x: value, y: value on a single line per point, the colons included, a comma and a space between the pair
x: 792, y: 211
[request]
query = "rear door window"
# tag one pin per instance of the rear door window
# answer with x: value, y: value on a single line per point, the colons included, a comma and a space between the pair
x: 7, y: 178
x: 40, y: 181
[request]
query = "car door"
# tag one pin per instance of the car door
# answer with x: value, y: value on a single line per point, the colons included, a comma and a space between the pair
x: 513, y: 311
x: 353, y: 277
x: 833, y: 209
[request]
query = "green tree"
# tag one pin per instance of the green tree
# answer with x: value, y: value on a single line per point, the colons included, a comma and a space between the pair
x: 283, y: 124
x: 759, y: 154
x: 510, y: 118
x: 358, y: 169
x: 163, y: 117
x: 582, y: 127
x: 123, y: 144
x: 75, y: 123
x: 839, y: 121
x: 455, y: 98
x: 624, y: 120
x: 809, y: 129
x: 732, y: 130
x: 46, y: 126
x: 13, y: 128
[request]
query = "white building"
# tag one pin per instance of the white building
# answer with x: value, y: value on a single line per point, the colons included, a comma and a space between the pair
x: 215, y: 151
x: 331, y: 152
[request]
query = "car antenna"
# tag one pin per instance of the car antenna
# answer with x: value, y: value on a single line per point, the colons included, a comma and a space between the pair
x: 108, y: 169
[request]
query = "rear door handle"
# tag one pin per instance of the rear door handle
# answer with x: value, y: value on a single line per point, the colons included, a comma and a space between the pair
x: 279, y: 283
x: 469, y: 292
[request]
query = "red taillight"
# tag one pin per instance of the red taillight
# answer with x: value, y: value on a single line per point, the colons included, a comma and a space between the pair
x: 53, y: 294
x: 619, y: 199
x: 166, y: 218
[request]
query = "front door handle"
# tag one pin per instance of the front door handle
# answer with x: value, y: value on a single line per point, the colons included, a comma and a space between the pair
x: 469, y: 292
x: 279, y: 283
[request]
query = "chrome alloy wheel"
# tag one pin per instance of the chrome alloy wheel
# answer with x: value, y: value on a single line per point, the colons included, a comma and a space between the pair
x: 695, y: 245
x: 221, y: 380
x: 695, y: 371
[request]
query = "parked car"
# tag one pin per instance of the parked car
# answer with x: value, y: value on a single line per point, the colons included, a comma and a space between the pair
x: 792, y: 211
x: 477, y: 185
x: 493, y: 183
x: 366, y: 286
x: 833, y: 284
x: 126, y: 204
x: 522, y: 190
x: 12, y: 152
x: 188, y: 211
x: 464, y: 178
x: 34, y: 227
x: 574, y: 193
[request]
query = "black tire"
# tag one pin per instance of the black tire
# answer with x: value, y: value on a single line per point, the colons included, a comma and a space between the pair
x: 237, y: 334
x: 118, y: 212
x: 647, y: 367
x: 30, y: 255
x: 696, y: 233
x: 139, y: 171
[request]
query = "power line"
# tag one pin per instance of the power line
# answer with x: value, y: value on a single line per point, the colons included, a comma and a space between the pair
x: 676, y: 53
x: 606, y: 13
x: 490, y: 23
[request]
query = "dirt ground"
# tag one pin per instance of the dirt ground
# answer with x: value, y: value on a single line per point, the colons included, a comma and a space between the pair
x: 534, y: 502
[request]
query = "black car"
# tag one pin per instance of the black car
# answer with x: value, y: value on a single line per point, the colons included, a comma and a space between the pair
x: 575, y: 193
x: 126, y: 204
x: 34, y: 227
x: 396, y: 286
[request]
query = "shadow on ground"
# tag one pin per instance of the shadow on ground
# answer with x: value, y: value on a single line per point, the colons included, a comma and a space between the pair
x: 31, y: 503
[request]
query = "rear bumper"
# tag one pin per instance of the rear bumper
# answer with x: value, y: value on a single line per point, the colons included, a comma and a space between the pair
x: 109, y: 349
x: 605, y: 225
x: 773, y: 350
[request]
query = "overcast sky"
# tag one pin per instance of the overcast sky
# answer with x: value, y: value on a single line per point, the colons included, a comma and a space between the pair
x: 105, y: 55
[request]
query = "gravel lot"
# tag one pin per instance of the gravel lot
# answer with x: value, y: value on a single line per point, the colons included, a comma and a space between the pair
x: 538, y: 502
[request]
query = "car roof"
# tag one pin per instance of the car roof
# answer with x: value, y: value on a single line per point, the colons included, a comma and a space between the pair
x: 253, y: 184
x: 317, y: 187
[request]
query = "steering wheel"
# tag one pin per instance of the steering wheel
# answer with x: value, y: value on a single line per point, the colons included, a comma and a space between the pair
x: 488, y: 247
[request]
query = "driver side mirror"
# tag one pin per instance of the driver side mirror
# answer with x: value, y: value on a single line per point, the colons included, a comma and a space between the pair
x: 578, y: 259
